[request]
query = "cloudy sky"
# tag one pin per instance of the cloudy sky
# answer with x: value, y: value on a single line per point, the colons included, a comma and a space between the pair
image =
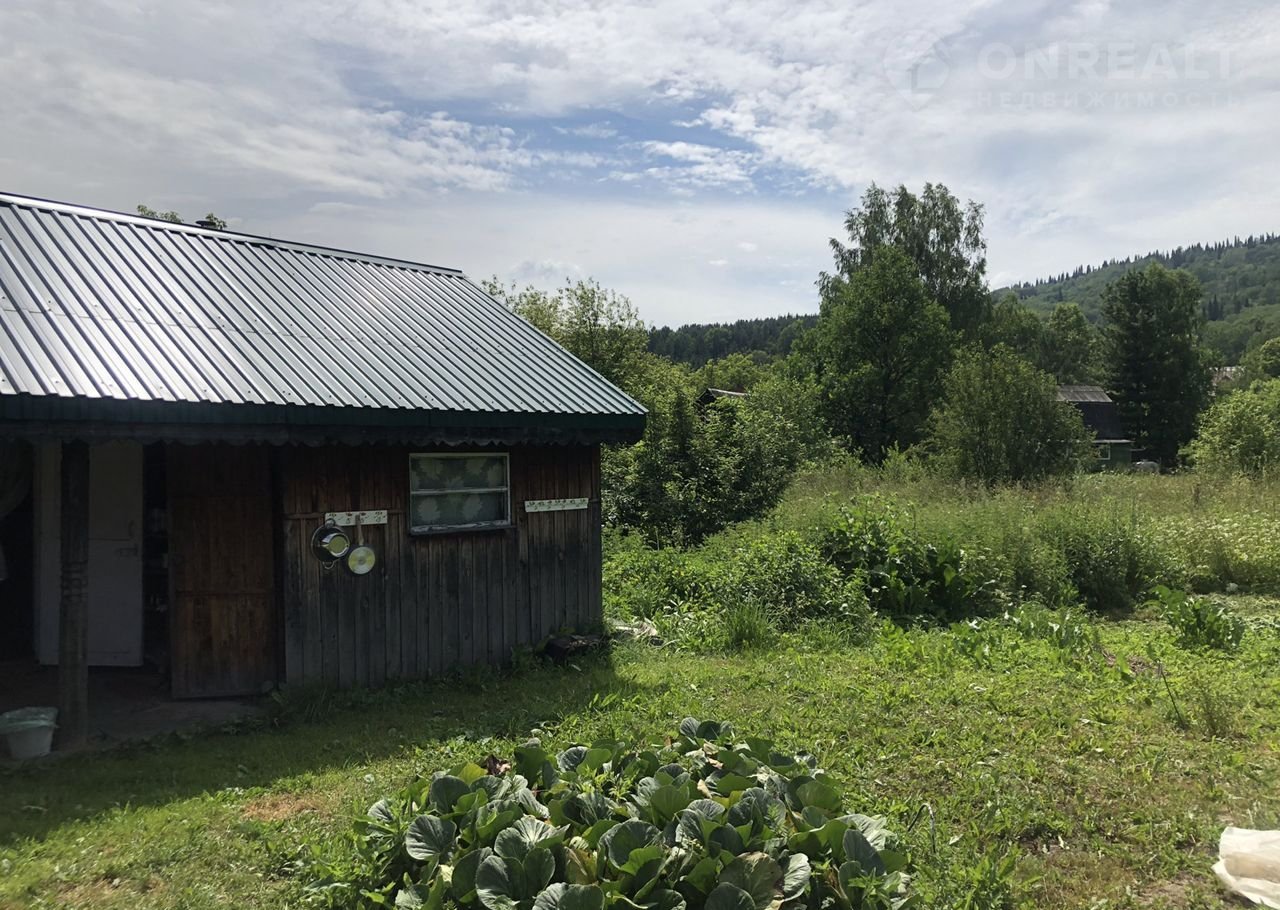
x: 695, y: 156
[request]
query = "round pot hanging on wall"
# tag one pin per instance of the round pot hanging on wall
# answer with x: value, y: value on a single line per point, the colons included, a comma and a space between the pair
x: 330, y: 543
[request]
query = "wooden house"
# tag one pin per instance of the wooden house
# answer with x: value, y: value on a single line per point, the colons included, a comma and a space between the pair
x: 709, y: 396
x: 258, y: 462
x: 1112, y: 447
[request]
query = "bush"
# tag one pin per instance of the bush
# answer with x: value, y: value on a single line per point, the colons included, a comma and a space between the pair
x: 704, y: 821
x: 1240, y: 434
x: 1002, y: 422
x: 1028, y: 565
x: 905, y: 575
x: 1111, y: 562
x: 737, y: 591
x: 1198, y: 622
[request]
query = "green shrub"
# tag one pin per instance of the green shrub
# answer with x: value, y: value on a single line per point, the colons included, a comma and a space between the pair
x: 1240, y: 433
x: 737, y: 591
x: 789, y: 576
x: 1198, y: 622
x: 1066, y: 630
x: 905, y: 575
x: 704, y: 821
x: 1029, y: 566
x: 1111, y: 562
x: 1001, y: 422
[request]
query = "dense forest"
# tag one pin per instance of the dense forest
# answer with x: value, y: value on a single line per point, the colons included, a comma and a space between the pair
x: 1236, y: 275
x: 1241, y: 303
x: 695, y: 344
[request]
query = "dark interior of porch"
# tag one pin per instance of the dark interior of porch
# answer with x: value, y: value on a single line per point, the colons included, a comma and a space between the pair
x: 125, y: 703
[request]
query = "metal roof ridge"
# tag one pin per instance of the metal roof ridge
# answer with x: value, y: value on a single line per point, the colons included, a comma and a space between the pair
x: 87, y: 211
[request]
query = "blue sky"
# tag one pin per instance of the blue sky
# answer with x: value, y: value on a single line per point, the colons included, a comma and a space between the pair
x: 694, y: 156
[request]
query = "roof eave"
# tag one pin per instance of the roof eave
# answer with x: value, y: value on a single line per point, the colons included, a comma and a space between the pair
x: 28, y: 415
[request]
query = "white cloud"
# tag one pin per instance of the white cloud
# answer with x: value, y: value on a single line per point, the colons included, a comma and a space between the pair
x: 407, y: 112
x: 589, y: 131
x: 700, y: 166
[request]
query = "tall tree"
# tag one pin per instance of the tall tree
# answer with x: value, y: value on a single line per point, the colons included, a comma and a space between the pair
x: 1263, y: 362
x: 941, y: 237
x: 1071, y: 345
x: 1014, y: 325
x: 599, y: 326
x: 1001, y: 421
x: 879, y: 349
x: 1158, y: 370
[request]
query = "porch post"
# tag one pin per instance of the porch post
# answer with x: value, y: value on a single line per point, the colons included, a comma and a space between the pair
x: 73, y: 625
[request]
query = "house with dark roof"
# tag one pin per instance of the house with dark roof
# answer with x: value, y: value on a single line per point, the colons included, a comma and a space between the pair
x: 251, y: 462
x: 1111, y: 445
x: 710, y: 396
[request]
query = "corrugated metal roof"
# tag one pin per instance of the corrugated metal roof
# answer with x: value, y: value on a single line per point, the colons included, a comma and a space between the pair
x: 100, y: 306
x: 1082, y: 393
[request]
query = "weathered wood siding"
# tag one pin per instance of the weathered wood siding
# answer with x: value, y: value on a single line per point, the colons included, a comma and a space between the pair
x: 224, y: 621
x: 437, y: 601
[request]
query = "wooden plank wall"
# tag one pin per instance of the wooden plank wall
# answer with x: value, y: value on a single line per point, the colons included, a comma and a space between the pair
x: 221, y: 570
x: 440, y: 601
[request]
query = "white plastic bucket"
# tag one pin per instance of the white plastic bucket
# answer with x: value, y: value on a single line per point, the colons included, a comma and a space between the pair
x: 29, y: 731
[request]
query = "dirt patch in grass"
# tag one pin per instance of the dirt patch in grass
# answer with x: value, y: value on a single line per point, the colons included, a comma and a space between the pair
x: 277, y: 807
x: 109, y: 892
x: 1182, y: 891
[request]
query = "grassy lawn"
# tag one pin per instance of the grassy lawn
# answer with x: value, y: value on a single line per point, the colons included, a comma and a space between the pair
x: 1086, y: 773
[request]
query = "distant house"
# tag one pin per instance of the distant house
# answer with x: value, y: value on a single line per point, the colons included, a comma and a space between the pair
x: 712, y: 395
x: 1102, y: 418
x: 1224, y: 376
x: 273, y: 462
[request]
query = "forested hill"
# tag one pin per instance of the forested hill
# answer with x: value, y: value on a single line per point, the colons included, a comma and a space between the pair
x: 696, y: 344
x: 1236, y: 275
x: 1241, y: 280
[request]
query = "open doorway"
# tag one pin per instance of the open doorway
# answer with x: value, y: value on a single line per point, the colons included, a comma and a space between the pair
x: 17, y: 579
x: 128, y: 556
x: 133, y: 586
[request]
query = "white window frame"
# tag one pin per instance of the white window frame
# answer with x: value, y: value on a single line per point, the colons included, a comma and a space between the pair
x: 474, y: 526
x: 1104, y: 451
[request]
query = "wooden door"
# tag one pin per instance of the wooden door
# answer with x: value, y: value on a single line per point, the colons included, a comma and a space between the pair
x: 221, y: 570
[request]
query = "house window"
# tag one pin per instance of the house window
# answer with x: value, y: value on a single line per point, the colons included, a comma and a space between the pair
x: 1103, y: 450
x: 458, y: 492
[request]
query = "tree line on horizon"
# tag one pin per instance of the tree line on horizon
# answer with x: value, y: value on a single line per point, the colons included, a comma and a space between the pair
x: 1240, y: 279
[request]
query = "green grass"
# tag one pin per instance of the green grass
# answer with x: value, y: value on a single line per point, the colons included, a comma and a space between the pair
x: 1105, y: 794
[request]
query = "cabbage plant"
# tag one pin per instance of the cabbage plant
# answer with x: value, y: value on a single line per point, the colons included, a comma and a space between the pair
x: 705, y: 821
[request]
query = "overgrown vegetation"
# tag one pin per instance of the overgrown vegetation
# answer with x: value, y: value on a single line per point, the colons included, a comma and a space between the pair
x: 1198, y: 621
x: 919, y: 548
x: 1240, y: 434
x: 738, y: 591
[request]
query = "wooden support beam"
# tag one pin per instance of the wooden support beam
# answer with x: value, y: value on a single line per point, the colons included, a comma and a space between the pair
x: 73, y: 625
